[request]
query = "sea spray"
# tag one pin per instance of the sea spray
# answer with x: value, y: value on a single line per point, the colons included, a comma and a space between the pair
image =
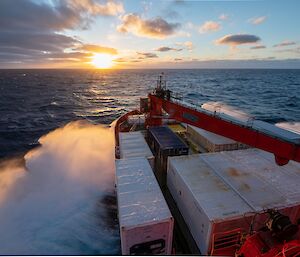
x: 61, y: 201
x: 292, y: 126
x: 220, y: 107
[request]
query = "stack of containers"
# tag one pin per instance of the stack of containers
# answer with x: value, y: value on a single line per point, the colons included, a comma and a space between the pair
x: 146, y: 224
x: 211, y: 142
x: 133, y: 144
x: 218, y: 193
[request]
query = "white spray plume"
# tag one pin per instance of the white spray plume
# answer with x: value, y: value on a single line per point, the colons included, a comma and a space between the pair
x: 291, y: 126
x: 55, y: 205
x: 220, y: 107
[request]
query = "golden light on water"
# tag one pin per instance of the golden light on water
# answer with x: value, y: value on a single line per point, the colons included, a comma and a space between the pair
x: 102, y: 61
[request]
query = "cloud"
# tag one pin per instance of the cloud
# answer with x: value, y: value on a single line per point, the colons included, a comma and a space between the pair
x: 27, y: 15
x: 178, y: 59
x: 97, y: 49
x: 152, y: 28
x: 210, y: 26
x: 188, y: 45
x: 136, y: 57
x: 166, y: 49
x: 127, y: 60
x: 285, y: 43
x: 258, y: 47
x: 223, y: 17
x: 110, y: 8
x: 142, y: 55
x: 31, y: 32
x: 238, y: 39
x: 36, y: 41
x: 258, y: 20
x: 295, y: 50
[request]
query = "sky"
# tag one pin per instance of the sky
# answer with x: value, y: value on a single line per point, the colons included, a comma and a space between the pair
x: 149, y: 34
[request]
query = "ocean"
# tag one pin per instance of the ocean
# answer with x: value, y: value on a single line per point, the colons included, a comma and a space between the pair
x: 53, y: 140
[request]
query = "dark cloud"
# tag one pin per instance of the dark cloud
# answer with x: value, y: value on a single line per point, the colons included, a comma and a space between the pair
x: 152, y: 28
x: 127, y: 60
x: 146, y: 55
x: 238, y: 39
x: 258, y: 47
x: 28, y: 15
x: 166, y: 49
x: 36, y: 41
x: 178, y: 59
x: 136, y: 58
x: 285, y: 43
x: 32, y: 31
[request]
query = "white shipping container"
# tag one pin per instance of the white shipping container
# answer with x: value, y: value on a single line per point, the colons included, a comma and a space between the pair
x: 210, y: 141
x: 146, y: 224
x: 203, y: 198
x: 216, y: 191
x: 133, y: 144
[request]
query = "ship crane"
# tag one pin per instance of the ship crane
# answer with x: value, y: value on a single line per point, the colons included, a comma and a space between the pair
x: 285, y: 145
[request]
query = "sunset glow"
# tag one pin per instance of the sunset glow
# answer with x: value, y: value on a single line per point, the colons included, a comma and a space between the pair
x: 149, y: 34
x: 102, y: 61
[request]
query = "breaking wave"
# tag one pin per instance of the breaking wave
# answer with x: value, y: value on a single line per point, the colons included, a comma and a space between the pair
x: 59, y: 198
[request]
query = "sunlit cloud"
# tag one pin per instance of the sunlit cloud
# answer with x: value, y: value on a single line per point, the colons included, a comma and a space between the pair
x: 238, y: 39
x: 152, y: 28
x: 97, y: 49
x: 257, y: 20
x: 109, y: 8
x: 188, y: 45
x: 210, y: 26
x: 166, y: 49
x: 224, y: 17
x: 285, y: 43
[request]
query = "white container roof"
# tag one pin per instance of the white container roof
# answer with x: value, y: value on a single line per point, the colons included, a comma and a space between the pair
x: 133, y: 144
x: 239, y: 181
x: 284, y: 179
x: 212, y: 137
x: 140, y: 200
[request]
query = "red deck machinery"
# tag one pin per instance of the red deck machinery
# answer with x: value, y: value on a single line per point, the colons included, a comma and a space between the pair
x: 160, y: 100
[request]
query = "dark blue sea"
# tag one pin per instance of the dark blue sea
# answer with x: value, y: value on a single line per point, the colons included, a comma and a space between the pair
x: 36, y: 102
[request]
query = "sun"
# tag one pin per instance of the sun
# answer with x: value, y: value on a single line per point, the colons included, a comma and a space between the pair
x: 102, y: 61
